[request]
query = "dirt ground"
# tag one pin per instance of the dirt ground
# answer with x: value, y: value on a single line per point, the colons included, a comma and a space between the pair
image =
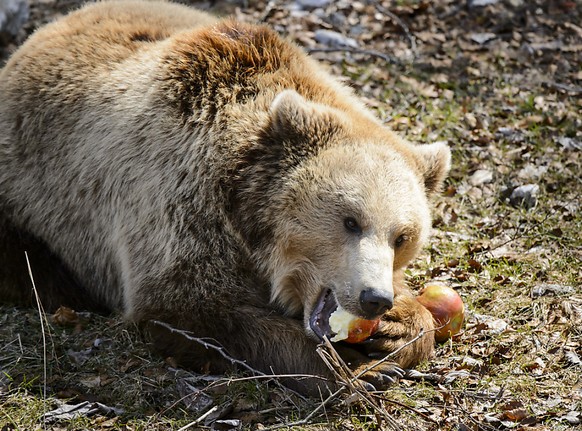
x: 501, y: 82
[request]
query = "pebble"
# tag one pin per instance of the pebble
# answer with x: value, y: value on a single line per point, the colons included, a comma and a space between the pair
x: 481, y: 176
x: 312, y: 4
x: 557, y: 289
x: 13, y: 15
x: 481, y: 3
x: 525, y: 196
x: 569, y: 143
x: 334, y: 39
x: 482, y: 38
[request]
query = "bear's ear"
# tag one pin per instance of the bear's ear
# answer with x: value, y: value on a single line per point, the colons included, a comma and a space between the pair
x: 303, y: 124
x: 290, y: 111
x: 435, y: 162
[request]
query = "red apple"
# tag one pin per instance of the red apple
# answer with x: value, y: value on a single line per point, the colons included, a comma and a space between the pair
x: 446, y: 307
x: 350, y: 328
x: 361, y: 329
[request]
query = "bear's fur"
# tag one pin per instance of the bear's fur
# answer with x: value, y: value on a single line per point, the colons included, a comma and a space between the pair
x: 208, y: 174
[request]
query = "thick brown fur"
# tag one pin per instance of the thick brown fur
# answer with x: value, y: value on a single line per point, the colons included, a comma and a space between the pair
x: 157, y: 161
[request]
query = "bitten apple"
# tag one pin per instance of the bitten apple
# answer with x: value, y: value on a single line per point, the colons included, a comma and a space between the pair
x: 447, y: 308
x: 350, y: 328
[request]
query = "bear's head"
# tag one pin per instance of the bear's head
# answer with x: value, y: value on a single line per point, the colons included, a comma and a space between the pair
x: 350, y: 211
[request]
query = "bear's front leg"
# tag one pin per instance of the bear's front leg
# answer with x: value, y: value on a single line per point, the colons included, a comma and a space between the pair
x: 399, y: 331
x: 266, y: 341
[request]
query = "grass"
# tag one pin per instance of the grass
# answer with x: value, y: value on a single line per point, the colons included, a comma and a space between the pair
x: 497, y: 116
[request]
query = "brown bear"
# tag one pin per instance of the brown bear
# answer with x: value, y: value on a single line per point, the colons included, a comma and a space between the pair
x: 209, y: 174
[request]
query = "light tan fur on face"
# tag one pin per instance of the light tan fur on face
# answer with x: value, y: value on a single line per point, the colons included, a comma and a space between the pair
x: 359, y: 181
x: 161, y: 162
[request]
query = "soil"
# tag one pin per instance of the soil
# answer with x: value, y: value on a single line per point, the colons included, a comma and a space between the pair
x: 501, y: 82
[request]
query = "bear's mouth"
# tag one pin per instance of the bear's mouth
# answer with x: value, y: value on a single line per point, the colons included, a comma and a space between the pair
x: 319, y: 320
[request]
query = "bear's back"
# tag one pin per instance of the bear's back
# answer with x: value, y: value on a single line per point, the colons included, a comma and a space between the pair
x: 105, y: 33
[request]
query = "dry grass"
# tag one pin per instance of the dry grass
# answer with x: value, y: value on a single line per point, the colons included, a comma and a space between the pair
x: 510, y: 113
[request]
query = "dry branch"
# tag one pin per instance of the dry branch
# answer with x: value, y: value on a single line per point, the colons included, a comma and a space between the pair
x: 42, y: 316
x: 401, y: 24
x: 385, y: 57
x: 347, y: 379
x: 212, y: 344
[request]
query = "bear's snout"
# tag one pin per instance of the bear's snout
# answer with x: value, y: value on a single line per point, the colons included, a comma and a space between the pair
x: 374, y: 303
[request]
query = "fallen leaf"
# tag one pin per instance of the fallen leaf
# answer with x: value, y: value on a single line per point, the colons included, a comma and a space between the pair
x: 515, y: 415
x: 67, y: 412
x: 488, y: 325
x: 572, y: 358
x: 65, y: 316
x: 547, y: 288
x: 421, y: 88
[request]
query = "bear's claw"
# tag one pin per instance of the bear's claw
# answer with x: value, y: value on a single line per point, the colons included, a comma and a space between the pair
x: 384, y: 375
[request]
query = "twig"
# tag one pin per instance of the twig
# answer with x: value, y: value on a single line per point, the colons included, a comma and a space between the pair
x: 208, y: 344
x: 228, y: 380
x: 370, y: 400
x: 416, y: 411
x: 307, y: 418
x: 420, y: 334
x: 347, y: 384
x: 334, y: 362
x: 200, y: 419
x: 401, y: 24
x: 519, y: 235
x: 352, y: 50
x: 321, y: 405
x: 356, y: 385
x: 267, y: 376
x: 42, y: 316
x: 268, y: 9
x: 459, y: 406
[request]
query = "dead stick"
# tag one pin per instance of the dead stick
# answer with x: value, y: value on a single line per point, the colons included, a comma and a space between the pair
x: 401, y: 24
x: 325, y: 402
x: 352, y: 50
x: 208, y: 343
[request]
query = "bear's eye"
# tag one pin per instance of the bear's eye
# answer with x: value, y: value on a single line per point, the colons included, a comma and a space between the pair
x: 352, y: 225
x: 400, y: 240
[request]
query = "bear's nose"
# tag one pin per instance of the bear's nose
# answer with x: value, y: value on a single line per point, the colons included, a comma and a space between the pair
x: 375, y: 303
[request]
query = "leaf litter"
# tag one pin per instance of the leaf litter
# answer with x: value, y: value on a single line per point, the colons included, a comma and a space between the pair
x: 500, y: 81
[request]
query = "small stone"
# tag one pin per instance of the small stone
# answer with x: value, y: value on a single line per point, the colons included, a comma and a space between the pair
x: 334, y: 39
x: 451, y: 376
x: 544, y: 288
x: 481, y: 3
x: 516, y: 3
x: 481, y: 176
x: 573, y: 417
x: 569, y: 143
x: 525, y: 196
x: 471, y: 120
x: 572, y: 358
x: 531, y: 171
x: 227, y: 425
x: 482, y: 38
x: 13, y: 15
x: 312, y: 4
x: 492, y: 419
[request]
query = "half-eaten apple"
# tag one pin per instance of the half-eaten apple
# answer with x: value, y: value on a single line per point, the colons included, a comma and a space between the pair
x: 350, y: 328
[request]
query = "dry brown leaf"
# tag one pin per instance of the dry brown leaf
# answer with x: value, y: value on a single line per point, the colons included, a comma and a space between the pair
x: 421, y: 88
x: 65, y: 316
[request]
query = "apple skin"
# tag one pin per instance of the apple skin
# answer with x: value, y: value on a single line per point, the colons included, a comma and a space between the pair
x: 446, y: 307
x: 361, y: 329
